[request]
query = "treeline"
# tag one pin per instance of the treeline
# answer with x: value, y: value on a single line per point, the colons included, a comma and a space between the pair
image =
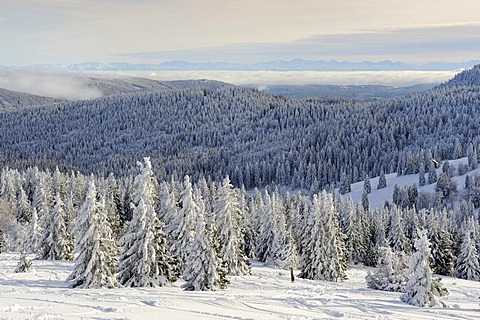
x: 141, y: 232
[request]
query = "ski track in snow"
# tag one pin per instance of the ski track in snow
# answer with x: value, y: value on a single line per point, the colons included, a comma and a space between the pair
x: 265, y: 294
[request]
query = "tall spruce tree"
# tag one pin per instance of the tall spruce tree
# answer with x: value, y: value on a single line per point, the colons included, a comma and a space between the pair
x: 227, y: 212
x: 468, y: 266
x: 181, y: 230
x: 55, y: 243
x: 94, y: 264
x: 145, y: 260
x: 203, y: 270
x: 324, y: 257
x: 382, y: 181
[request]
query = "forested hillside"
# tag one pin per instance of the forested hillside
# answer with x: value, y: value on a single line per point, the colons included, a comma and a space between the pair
x: 256, y: 138
x: 12, y: 100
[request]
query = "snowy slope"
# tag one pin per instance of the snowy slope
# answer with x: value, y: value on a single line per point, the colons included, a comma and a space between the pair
x: 378, y: 197
x: 266, y: 294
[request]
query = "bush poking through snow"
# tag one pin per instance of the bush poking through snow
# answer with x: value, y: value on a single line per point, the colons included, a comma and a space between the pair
x: 25, y: 264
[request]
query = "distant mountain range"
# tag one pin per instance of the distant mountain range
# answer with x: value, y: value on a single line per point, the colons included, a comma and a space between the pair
x: 278, y: 65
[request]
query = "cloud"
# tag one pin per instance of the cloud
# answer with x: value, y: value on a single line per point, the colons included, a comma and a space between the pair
x: 415, y: 45
x: 48, y: 84
x: 263, y: 78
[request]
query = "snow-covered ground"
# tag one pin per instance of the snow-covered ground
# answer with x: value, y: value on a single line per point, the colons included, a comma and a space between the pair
x: 266, y: 294
x: 378, y: 197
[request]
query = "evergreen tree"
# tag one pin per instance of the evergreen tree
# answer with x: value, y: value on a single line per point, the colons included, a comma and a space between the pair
x: 227, y: 213
x: 396, y: 235
x: 55, y: 243
x: 35, y: 233
x: 382, y: 181
x: 266, y: 237
x: 145, y: 260
x: 443, y: 259
x: 344, y: 184
x: 366, y: 185
x: 421, y: 175
x: 468, y: 266
x: 23, y: 207
x: 365, y: 202
x: 203, y: 270
x: 94, y: 265
x: 472, y: 157
x: 182, y: 227
x: 390, y: 274
x: 324, y: 257
x: 421, y: 289
x: 432, y: 174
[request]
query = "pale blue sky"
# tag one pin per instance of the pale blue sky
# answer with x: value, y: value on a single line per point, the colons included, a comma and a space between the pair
x: 148, y: 31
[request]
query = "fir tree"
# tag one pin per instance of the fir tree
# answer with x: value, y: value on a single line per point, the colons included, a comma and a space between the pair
x: 324, y: 257
x: 55, y: 243
x: 226, y: 210
x: 23, y: 207
x: 421, y: 175
x: 145, y: 260
x: 468, y: 266
x: 35, y: 233
x: 344, y: 184
x: 421, y: 289
x: 365, y: 202
x: 390, y: 274
x: 382, y: 181
x: 265, y: 239
x: 432, y: 174
x: 203, y: 270
x: 182, y: 227
x: 396, y: 235
x: 94, y: 264
x: 366, y: 185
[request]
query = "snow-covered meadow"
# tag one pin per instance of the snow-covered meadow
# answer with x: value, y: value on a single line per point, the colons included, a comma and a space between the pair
x: 265, y: 294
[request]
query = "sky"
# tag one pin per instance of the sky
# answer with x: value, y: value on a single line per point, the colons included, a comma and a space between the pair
x: 153, y: 31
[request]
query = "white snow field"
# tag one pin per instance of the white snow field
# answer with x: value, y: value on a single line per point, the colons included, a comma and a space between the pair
x: 265, y: 294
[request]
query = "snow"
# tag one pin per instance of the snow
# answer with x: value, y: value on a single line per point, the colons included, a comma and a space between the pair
x: 265, y: 294
x: 378, y: 197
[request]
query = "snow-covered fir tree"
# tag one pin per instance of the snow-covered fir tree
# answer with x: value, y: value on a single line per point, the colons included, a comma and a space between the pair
x: 182, y: 227
x: 34, y: 233
x: 145, y: 260
x: 267, y: 228
x: 390, y: 274
x: 203, y: 270
x: 382, y: 181
x: 396, y: 235
x: 94, y: 263
x: 23, y: 207
x: 366, y: 185
x: 422, y: 290
x: 468, y: 266
x: 323, y: 257
x: 55, y: 243
x: 226, y: 211
x: 443, y: 259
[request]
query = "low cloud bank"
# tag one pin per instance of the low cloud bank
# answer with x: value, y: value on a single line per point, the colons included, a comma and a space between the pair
x: 388, y: 78
x: 48, y: 84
